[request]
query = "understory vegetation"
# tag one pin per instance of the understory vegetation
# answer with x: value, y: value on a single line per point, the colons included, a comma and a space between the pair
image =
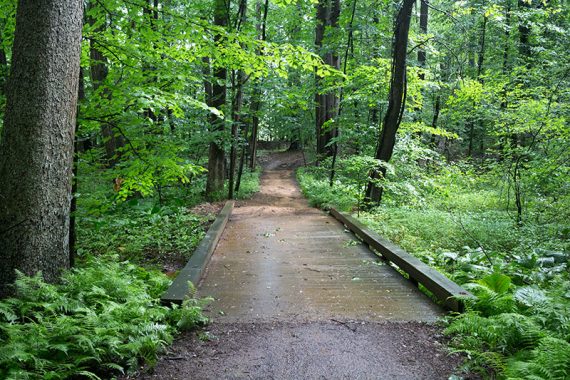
x: 123, y: 123
x: 105, y: 317
x: 457, y: 217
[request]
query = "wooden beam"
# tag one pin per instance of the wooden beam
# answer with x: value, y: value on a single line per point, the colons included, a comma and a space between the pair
x: 194, y: 269
x: 443, y: 288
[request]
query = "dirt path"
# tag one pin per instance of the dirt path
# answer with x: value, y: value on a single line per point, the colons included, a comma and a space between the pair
x: 297, y: 297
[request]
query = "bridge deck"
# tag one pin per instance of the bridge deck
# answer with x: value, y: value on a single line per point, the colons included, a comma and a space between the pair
x: 280, y: 259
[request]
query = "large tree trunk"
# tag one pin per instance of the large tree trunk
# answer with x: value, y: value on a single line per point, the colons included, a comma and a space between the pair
x: 396, y: 98
x: 216, y: 156
x: 36, y: 149
x: 327, y: 104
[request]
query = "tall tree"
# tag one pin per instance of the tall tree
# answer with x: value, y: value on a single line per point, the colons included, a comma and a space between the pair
x: 36, y: 149
x: 396, y: 98
x: 255, y: 107
x: 238, y: 81
x: 99, y: 72
x: 327, y: 102
x: 216, y: 156
x: 424, y: 9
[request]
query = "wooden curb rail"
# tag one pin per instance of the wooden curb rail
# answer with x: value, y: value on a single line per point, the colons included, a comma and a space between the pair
x: 443, y: 288
x: 194, y: 269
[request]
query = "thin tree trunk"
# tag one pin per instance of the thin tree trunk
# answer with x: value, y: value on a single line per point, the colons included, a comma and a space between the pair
x: 349, y: 44
x: 241, y: 161
x: 255, y: 106
x: 216, y: 156
x: 396, y: 102
x: 423, y: 29
x: 524, y: 33
x: 328, y: 12
x: 36, y: 148
x: 238, y: 81
x: 99, y: 73
x: 236, y: 120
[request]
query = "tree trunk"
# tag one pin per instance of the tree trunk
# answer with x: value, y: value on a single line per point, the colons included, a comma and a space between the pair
x: 3, y: 66
x: 236, y: 121
x: 216, y: 156
x: 328, y: 12
x: 238, y: 81
x: 396, y: 99
x: 423, y: 29
x: 255, y: 106
x: 75, y: 173
x: 349, y: 45
x: 524, y: 33
x: 36, y: 149
x: 99, y: 72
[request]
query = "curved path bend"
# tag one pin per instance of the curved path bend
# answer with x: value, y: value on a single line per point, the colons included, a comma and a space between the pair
x: 296, y: 296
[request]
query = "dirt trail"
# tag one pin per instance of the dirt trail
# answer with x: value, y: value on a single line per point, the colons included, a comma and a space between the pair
x: 297, y: 297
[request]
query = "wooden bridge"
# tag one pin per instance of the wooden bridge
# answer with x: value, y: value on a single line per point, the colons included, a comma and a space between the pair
x: 279, y: 259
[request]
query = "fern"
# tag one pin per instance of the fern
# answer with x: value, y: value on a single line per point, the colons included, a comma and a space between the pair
x: 549, y: 361
x: 103, y: 318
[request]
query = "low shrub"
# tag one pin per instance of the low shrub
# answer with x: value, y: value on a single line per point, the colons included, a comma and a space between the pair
x: 104, y: 318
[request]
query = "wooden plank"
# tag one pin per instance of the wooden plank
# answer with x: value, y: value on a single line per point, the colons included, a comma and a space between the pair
x: 196, y: 266
x: 442, y: 287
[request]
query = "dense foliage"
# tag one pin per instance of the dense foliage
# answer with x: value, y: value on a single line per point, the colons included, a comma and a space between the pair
x: 103, y: 319
x: 455, y: 217
x: 477, y: 186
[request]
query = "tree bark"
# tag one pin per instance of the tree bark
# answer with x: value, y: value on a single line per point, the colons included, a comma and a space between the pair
x: 396, y: 99
x: 423, y: 29
x: 75, y: 173
x: 238, y: 81
x: 524, y: 34
x: 3, y: 67
x: 255, y: 106
x: 99, y: 72
x: 36, y: 149
x: 327, y: 104
x: 216, y: 155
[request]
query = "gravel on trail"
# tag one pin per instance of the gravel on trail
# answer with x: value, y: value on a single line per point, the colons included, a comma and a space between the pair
x: 333, y: 349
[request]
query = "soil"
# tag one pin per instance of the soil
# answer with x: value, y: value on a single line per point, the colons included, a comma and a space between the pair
x: 309, y: 350
x: 297, y: 297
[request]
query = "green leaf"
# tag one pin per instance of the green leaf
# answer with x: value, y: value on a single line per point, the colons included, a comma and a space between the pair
x: 497, y: 282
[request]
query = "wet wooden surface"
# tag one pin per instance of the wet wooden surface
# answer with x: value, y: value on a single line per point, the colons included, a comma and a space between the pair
x: 442, y: 287
x: 279, y: 259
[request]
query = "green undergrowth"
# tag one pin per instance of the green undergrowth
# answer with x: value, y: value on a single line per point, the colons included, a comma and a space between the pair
x: 149, y: 230
x: 103, y: 319
x: 142, y: 232
x: 454, y: 217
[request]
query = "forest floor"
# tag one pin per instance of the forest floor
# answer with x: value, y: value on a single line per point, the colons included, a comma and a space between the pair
x: 298, y: 297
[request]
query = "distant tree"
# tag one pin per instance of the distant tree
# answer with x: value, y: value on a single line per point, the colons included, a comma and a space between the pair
x: 396, y: 100
x: 36, y: 147
x: 216, y: 156
x: 327, y: 102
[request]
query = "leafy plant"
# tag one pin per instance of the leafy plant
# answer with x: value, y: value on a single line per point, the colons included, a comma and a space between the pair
x: 102, y: 319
